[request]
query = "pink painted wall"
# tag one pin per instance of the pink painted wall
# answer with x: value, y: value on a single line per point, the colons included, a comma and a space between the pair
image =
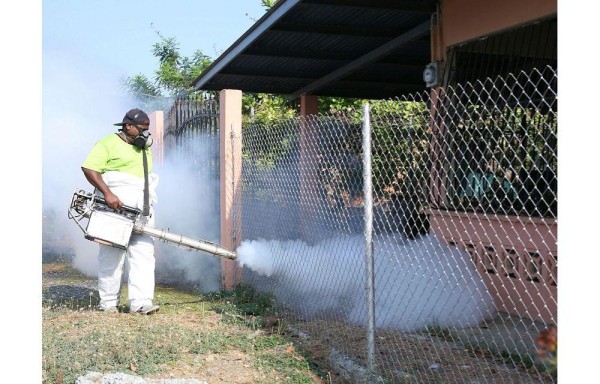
x: 463, y: 20
x: 516, y: 256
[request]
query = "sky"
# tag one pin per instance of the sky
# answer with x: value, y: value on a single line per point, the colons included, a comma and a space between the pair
x: 65, y: 58
x: 118, y: 35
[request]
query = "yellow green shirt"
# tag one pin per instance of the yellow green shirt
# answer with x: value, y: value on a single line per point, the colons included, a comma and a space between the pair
x: 111, y: 153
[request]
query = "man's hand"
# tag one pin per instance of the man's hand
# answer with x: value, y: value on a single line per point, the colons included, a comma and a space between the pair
x: 95, y: 178
x: 112, y: 200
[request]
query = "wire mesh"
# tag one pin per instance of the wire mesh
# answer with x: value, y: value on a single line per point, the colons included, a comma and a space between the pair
x: 464, y: 221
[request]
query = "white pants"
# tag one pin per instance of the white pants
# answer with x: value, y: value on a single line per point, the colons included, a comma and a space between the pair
x: 140, y: 261
x: 139, y: 256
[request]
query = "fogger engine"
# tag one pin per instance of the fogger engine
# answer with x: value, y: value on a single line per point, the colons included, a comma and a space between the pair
x: 108, y: 226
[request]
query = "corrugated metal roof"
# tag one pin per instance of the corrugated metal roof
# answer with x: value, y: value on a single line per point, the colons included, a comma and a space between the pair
x: 344, y: 48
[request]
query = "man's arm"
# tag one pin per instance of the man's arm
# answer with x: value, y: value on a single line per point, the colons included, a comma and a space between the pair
x: 95, y: 178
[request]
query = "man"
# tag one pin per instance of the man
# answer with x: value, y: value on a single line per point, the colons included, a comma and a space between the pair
x: 115, y: 167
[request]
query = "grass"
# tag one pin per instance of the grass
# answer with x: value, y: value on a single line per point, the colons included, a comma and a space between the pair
x: 233, y: 335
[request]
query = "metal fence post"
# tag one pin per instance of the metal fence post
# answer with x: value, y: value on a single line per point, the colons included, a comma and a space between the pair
x: 369, y: 262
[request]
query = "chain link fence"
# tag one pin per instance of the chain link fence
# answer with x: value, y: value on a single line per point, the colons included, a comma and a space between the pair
x: 463, y: 257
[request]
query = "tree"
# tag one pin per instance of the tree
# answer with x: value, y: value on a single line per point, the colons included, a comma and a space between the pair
x: 174, y: 75
x: 176, y: 72
x: 268, y: 3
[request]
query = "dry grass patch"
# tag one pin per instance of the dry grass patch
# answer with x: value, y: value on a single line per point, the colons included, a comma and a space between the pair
x: 216, y: 337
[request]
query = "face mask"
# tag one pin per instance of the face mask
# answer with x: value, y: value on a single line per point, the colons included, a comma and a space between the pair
x: 143, y: 140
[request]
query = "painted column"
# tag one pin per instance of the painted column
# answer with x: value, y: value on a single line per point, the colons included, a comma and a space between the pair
x: 309, y: 105
x: 230, y: 131
x: 157, y: 125
x: 308, y: 166
x: 436, y: 181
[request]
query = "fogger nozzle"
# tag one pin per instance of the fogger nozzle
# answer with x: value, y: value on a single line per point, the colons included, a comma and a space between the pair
x: 185, y: 241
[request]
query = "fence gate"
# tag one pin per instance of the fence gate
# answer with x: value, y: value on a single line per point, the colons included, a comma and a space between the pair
x: 190, y: 181
x: 193, y: 123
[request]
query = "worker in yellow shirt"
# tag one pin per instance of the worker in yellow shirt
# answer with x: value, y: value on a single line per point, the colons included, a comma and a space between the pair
x: 119, y: 166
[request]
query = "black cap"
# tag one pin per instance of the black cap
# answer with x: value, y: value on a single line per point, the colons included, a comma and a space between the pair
x: 136, y: 117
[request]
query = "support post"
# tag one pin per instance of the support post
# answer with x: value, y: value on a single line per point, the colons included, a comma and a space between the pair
x: 309, y: 105
x: 230, y: 130
x: 437, y: 187
x: 369, y: 258
x: 157, y: 129
x: 308, y: 167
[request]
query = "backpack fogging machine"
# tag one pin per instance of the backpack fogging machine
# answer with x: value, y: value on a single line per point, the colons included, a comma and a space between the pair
x: 108, y: 226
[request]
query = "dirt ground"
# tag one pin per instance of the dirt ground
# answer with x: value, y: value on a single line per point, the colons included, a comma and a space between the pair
x: 411, y: 358
x: 334, y: 349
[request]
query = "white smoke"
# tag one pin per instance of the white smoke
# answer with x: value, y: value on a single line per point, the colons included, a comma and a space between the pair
x: 418, y: 283
x: 82, y: 99
x: 258, y: 255
x: 188, y: 205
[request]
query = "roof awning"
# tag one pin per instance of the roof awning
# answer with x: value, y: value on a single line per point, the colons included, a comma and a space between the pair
x: 344, y: 48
